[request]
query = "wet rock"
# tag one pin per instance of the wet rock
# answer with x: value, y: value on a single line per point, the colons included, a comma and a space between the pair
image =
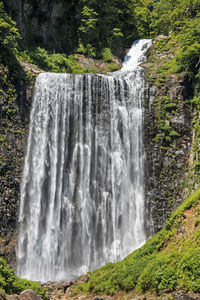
x: 29, y: 295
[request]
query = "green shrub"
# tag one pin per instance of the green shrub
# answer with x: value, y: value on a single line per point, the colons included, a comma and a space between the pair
x: 53, y: 62
x: 197, y: 222
x: 8, y: 32
x: 173, y: 134
x: 12, y: 284
x: 113, y: 67
x: 168, y: 139
x: 189, y: 270
x: 161, y: 44
x: 170, y: 106
x: 167, y: 128
x: 107, y: 54
x: 159, y: 274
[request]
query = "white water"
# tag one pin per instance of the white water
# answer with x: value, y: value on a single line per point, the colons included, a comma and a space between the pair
x: 82, y: 191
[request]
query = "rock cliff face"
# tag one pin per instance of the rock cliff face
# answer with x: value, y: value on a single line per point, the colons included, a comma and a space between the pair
x: 168, y: 141
x: 16, y: 89
x: 48, y: 23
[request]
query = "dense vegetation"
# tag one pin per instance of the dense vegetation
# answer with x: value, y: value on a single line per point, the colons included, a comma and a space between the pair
x: 11, y: 284
x: 108, y: 27
x: 170, y: 260
x: 8, y: 32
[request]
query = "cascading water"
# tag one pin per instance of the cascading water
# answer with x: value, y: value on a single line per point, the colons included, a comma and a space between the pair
x: 82, y: 192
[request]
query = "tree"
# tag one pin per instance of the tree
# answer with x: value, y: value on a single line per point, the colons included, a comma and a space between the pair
x: 8, y: 32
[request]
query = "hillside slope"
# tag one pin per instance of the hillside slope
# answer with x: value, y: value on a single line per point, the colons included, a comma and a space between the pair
x: 169, y: 261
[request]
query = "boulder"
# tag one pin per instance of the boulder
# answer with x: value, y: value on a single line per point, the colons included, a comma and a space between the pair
x: 29, y: 295
x: 179, y: 295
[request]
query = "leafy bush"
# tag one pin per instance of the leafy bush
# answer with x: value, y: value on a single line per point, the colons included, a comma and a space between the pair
x: 12, y: 284
x: 168, y: 139
x: 188, y: 58
x: 170, y: 106
x: 107, y: 54
x: 53, y: 62
x: 173, y: 134
x: 113, y: 67
x: 8, y: 31
x: 159, y: 274
x: 189, y: 270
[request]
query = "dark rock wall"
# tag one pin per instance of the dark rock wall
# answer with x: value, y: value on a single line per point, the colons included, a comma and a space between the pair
x: 51, y: 24
x: 15, y: 101
x: 168, y: 163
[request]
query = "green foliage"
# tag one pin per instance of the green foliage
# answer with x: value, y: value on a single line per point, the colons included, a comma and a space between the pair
x: 88, y: 24
x: 53, y: 62
x: 162, y: 43
x: 189, y: 270
x: 159, y: 274
x: 181, y: 19
x: 195, y: 106
x: 11, y: 284
x: 111, y: 24
x: 197, y: 222
x: 107, y: 54
x: 8, y: 32
x: 173, y: 134
x: 167, y: 139
x: 188, y: 58
x: 113, y: 67
x: 167, y: 128
x: 165, y: 107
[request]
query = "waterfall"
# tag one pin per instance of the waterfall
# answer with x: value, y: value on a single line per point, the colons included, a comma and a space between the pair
x: 82, y: 191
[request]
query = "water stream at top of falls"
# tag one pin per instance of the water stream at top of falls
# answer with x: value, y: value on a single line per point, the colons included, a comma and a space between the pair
x: 82, y: 191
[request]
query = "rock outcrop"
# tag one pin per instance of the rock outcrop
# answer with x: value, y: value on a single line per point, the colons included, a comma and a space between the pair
x: 167, y: 140
x: 16, y: 89
x: 25, y: 295
x: 50, y: 24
